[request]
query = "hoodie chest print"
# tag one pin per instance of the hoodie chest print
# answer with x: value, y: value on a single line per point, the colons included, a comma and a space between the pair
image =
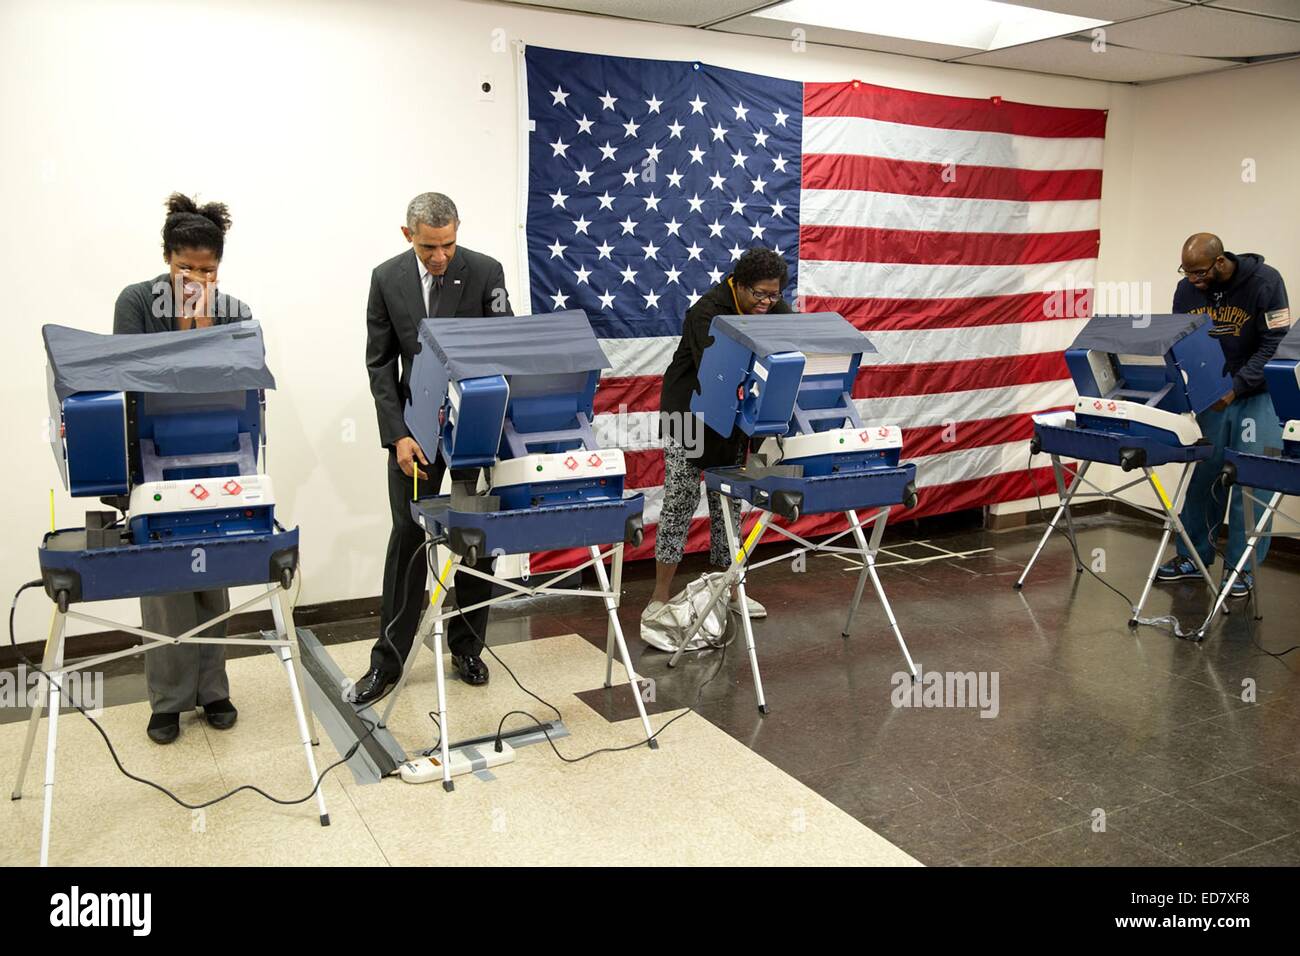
x: 1228, y: 319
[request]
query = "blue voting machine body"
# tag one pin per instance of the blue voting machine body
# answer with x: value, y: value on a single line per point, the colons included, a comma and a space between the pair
x: 787, y: 380
x: 169, y: 427
x: 507, y: 402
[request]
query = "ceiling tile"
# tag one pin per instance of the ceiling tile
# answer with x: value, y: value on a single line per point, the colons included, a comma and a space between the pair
x: 1075, y: 58
x: 1205, y: 31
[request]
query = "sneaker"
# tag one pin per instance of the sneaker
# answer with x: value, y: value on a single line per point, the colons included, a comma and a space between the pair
x: 756, y: 610
x: 1242, y: 586
x: 1179, y: 569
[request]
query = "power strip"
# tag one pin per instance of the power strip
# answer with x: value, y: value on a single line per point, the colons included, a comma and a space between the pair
x: 427, y: 769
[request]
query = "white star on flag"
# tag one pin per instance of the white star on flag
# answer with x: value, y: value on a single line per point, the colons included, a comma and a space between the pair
x: 585, y: 125
x: 607, y: 101
x: 629, y: 275
x: 561, y: 300
x: 654, y: 103
x: 556, y: 249
x: 580, y: 225
x: 582, y: 273
x: 557, y: 199
x: 740, y: 111
x: 697, y: 105
x: 559, y: 97
x: 651, y: 300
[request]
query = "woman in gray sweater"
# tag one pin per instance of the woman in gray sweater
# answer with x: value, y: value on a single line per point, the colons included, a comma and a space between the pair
x: 181, y: 677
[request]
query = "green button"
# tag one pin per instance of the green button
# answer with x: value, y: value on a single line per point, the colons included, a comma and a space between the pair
x: 157, y: 497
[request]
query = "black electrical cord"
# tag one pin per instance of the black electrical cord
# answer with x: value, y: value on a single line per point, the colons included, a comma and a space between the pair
x: 1074, y: 546
x: 640, y: 743
x: 371, y: 728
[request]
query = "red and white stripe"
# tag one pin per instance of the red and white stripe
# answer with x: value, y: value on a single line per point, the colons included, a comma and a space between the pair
x: 961, y: 235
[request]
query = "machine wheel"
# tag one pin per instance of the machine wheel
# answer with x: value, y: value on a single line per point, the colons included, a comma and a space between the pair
x: 471, y: 554
x: 286, y: 578
x: 637, y: 537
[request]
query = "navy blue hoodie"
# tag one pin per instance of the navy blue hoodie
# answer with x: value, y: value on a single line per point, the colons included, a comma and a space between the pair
x: 1251, y: 316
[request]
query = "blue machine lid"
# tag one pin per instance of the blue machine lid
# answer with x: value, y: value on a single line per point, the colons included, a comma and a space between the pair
x: 223, y: 358
x: 1289, y: 347
x: 1135, y: 334
x: 826, y: 333
x: 547, y: 344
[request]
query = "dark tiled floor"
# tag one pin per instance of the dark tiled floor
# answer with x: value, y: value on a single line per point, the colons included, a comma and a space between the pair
x: 1110, y: 746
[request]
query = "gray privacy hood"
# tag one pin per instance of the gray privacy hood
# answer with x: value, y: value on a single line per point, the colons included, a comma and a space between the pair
x: 223, y: 358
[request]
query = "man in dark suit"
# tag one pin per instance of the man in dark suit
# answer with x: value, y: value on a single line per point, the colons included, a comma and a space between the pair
x: 434, y: 279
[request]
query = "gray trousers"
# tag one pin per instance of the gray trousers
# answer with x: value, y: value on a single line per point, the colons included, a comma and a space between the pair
x: 180, y: 677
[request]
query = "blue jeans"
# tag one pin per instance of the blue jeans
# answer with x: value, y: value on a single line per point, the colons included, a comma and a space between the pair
x: 1229, y: 428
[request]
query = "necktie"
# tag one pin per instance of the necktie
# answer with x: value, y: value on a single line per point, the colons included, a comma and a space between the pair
x: 435, y: 289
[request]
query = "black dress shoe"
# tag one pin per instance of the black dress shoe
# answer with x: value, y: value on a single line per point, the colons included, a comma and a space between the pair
x: 220, y: 714
x: 471, y: 668
x: 164, y: 728
x: 372, y: 686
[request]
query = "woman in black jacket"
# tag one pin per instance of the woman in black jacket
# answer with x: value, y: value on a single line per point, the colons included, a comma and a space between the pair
x: 753, y: 288
x: 181, y: 677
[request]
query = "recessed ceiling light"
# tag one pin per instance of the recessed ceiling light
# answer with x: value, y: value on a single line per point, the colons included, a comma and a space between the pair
x: 975, y: 24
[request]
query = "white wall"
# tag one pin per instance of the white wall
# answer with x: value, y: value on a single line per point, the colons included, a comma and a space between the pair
x: 317, y: 122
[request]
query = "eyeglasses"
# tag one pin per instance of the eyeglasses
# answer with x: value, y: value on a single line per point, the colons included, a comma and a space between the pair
x: 1199, y: 273
x: 762, y: 296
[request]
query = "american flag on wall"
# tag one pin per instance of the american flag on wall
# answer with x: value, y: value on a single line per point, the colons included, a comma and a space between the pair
x: 960, y: 234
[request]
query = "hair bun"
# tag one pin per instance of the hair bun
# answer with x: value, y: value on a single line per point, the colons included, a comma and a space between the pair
x: 178, y: 203
x: 217, y: 213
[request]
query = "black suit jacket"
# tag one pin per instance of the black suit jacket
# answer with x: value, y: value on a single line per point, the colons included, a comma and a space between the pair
x: 474, y: 286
